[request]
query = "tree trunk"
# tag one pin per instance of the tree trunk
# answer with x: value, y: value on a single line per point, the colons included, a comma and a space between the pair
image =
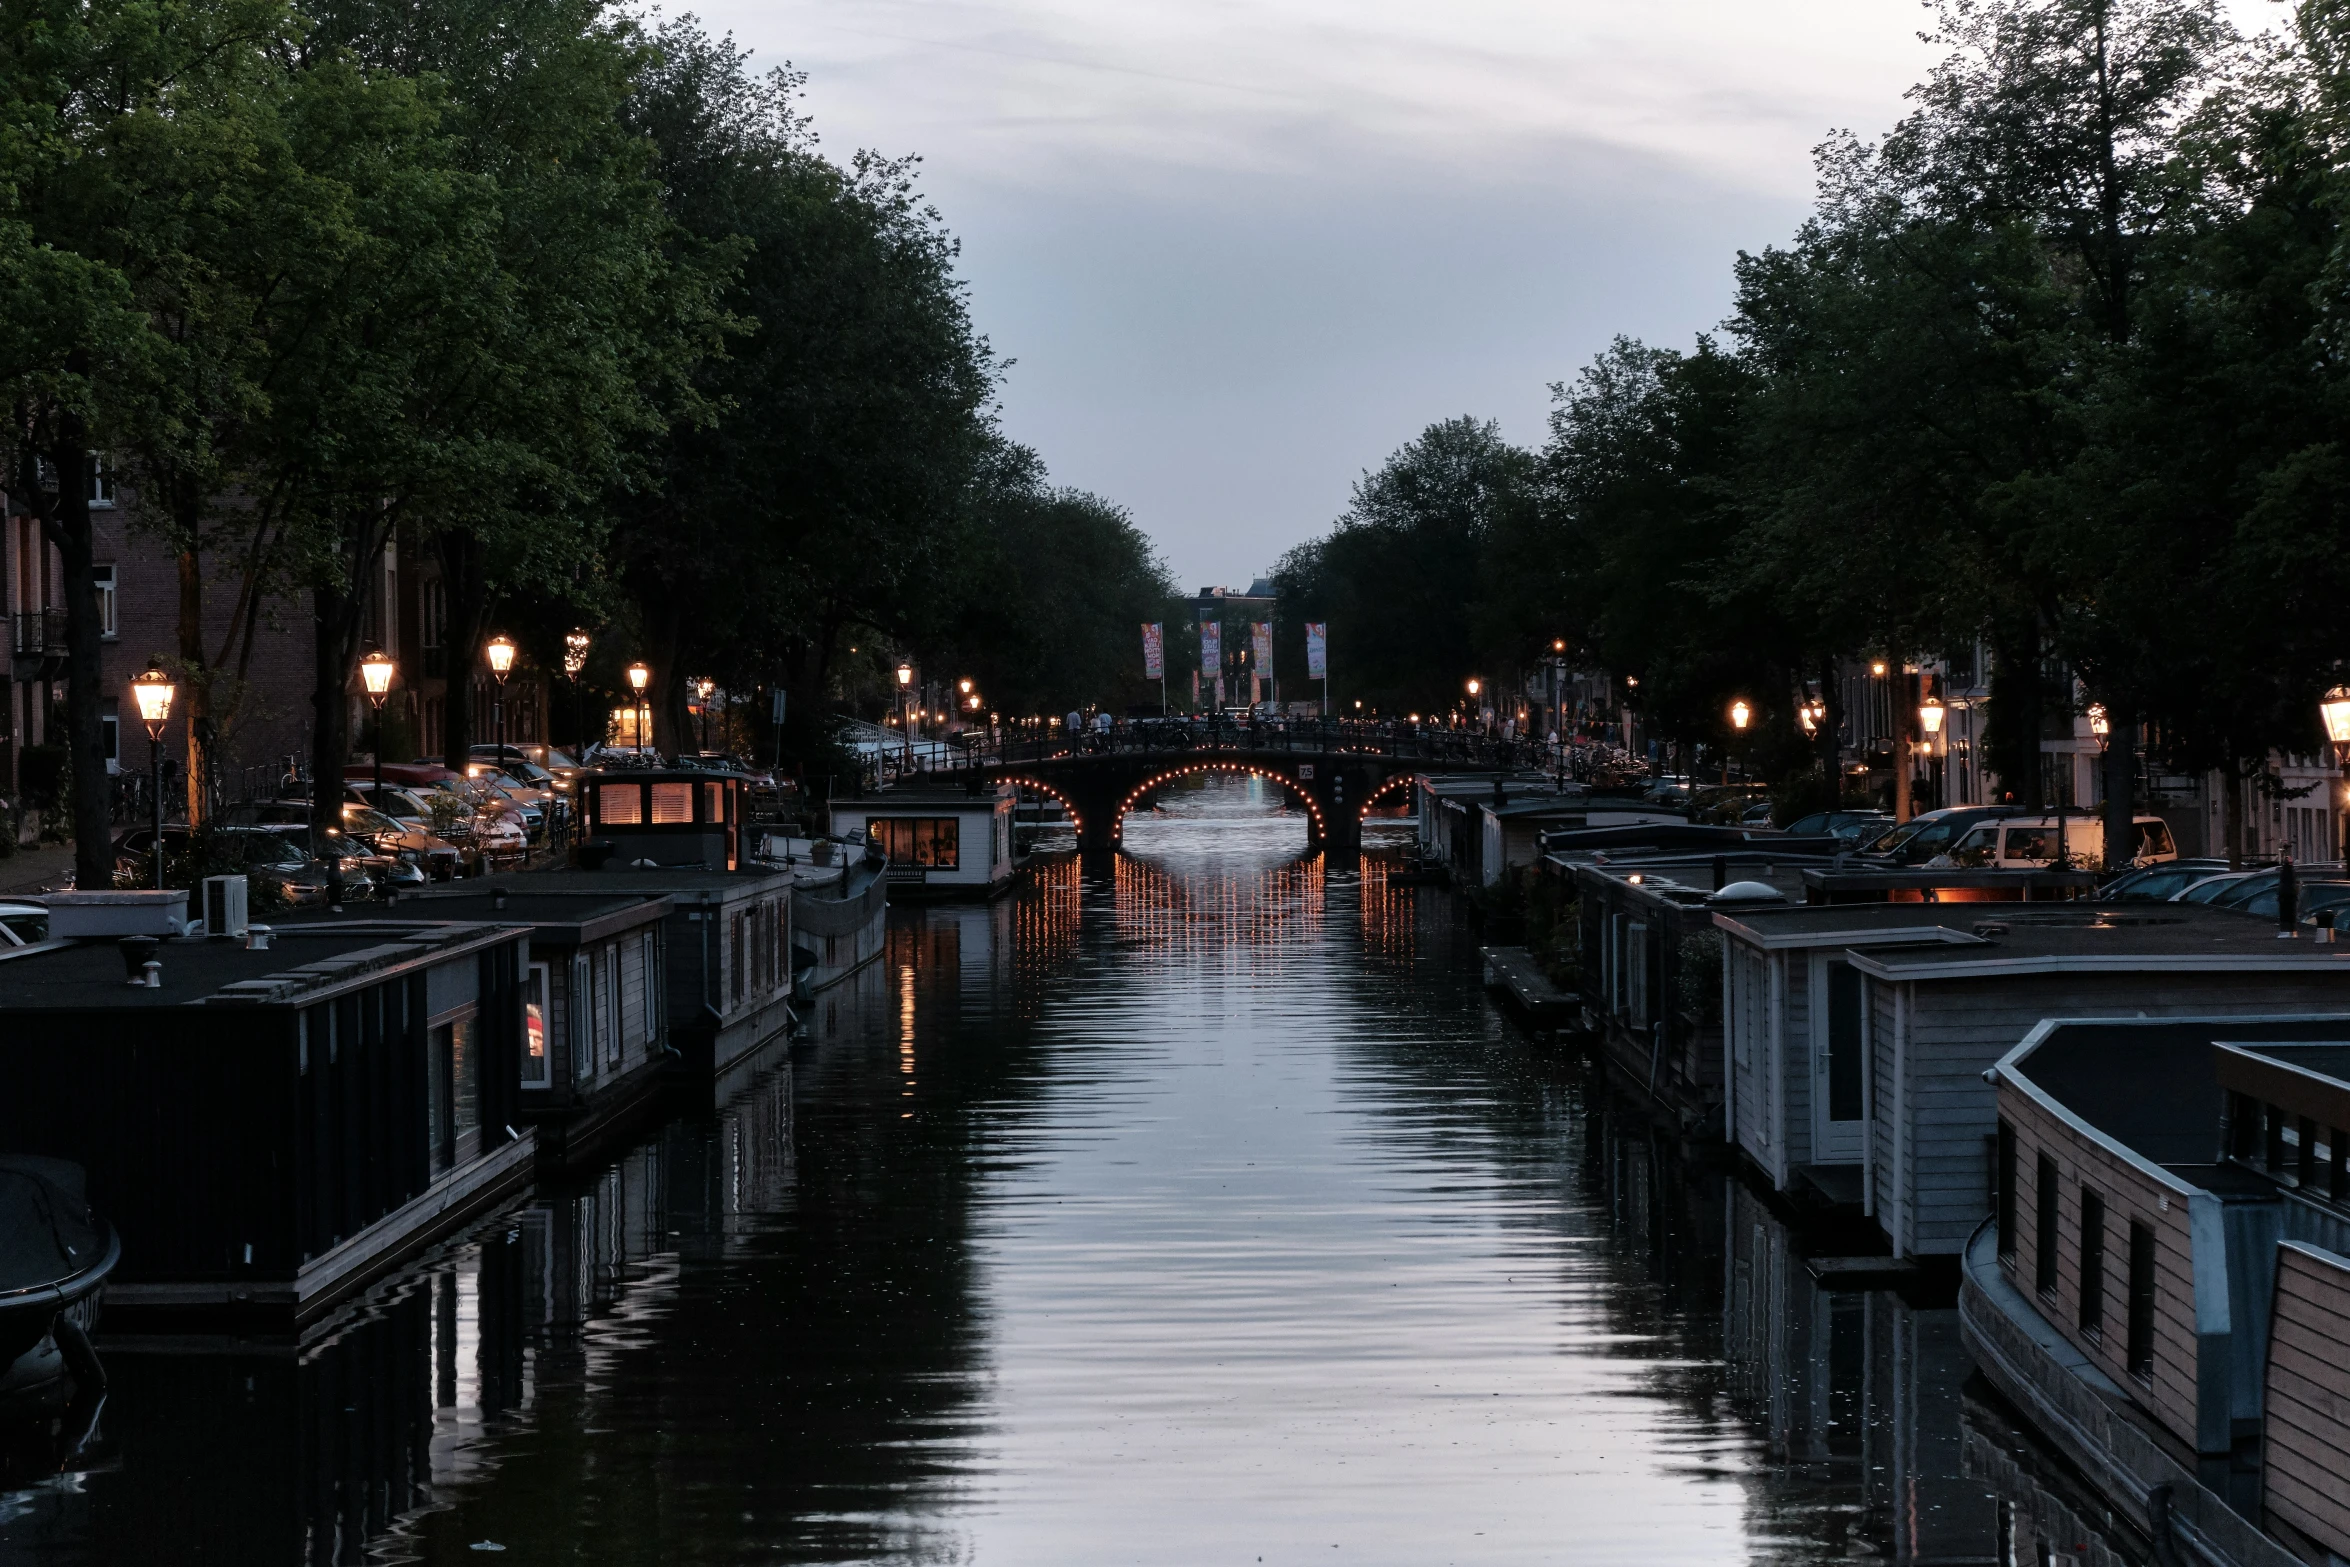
x: 1832, y: 732
x: 2119, y: 765
x: 69, y: 528
x: 467, y: 590
x: 195, y: 677
x: 2011, y: 733
x: 1905, y: 716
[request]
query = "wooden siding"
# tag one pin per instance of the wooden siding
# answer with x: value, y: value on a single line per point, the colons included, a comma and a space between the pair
x: 1931, y: 1112
x: 1746, y: 1024
x: 2306, y: 1453
x: 2131, y: 1196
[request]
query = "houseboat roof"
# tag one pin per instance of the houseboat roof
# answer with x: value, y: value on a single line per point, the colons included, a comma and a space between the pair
x: 569, y: 918
x: 1960, y: 941
x: 611, y: 881
x: 2165, y: 1109
x: 929, y: 797
x: 302, y: 964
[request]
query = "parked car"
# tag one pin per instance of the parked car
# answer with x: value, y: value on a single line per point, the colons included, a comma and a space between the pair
x: 2313, y: 901
x: 1852, y: 826
x: 2035, y: 842
x: 389, y: 835
x: 2158, y: 883
x: 2210, y: 887
x: 23, y: 924
x: 1724, y: 804
x: 1930, y: 834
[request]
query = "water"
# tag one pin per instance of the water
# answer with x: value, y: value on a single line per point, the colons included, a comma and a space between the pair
x: 1199, y: 1210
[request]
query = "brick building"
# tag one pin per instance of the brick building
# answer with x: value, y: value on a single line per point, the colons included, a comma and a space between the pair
x: 262, y: 691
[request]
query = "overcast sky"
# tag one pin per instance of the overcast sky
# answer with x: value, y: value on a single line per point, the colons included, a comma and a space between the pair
x: 1240, y: 250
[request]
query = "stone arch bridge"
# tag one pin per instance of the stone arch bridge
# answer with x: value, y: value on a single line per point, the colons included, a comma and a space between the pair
x: 1336, y: 774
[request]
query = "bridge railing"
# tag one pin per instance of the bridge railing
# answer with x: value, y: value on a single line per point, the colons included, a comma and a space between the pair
x: 996, y: 750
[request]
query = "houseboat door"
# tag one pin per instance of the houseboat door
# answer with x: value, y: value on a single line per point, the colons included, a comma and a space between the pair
x: 1837, y: 1042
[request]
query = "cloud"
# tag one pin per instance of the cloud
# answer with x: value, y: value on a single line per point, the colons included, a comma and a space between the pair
x: 1241, y: 251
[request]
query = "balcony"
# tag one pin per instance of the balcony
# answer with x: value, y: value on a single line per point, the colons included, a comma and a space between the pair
x: 38, y: 640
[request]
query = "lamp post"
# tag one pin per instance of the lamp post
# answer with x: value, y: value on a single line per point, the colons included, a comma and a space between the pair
x: 1740, y: 716
x: 640, y: 675
x: 575, y: 652
x: 500, y: 652
x: 1930, y: 715
x: 375, y: 673
x: 2335, y: 710
x: 153, y: 691
x: 905, y: 718
x: 704, y: 689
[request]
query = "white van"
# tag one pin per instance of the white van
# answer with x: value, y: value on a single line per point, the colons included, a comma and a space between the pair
x: 2018, y: 843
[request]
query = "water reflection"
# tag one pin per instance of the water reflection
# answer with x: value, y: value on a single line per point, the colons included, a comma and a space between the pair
x: 1189, y: 1205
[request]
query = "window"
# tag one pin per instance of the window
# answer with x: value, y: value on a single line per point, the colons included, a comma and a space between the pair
x: 2006, y: 1192
x: 110, y: 736
x: 612, y: 1011
x: 432, y: 614
x: 650, y: 961
x: 103, y: 578
x: 930, y: 842
x: 454, y: 1095
x: 714, y: 802
x: 579, y: 1013
x: 2044, y: 1260
x: 607, y: 1013
x: 101, y: 482
x: 2092, y: 1315
x: 535, y: 1015
x: 2141, y: 1343
x: 673, y: 804
x: 620, y: 805
x: 2305, y: 1155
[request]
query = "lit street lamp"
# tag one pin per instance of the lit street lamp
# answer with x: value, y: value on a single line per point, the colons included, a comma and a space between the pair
x: 2335, y: 710
x: 153, y: 691
x: 1740, y: 716
x: 704, y: 689
x: 375, y: 672
x: 640, y: 675
x: 500, y: 652
x: 905, y: 718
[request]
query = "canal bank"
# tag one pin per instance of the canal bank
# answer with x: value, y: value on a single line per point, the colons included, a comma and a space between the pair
x: 1191, y: 1206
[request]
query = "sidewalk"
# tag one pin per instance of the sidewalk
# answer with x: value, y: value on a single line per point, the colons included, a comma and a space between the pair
x: 41, y: 869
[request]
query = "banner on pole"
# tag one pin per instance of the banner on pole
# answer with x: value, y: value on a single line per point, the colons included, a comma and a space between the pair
x: 1154, y: 650
x: 1317, y: 650
x: 1211, y: 648
x: 1262, y: 632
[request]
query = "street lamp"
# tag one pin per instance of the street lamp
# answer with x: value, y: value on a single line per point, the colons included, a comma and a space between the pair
x: 2099, y: 725
x: 640, y: 675
x: 704, y: 689
x: 499, y: 650
x: 1740, y: 716
x: 153, y: 691
x: 375, y: 673
x: 2335, y: 710
x: 575, y: 652
x: 905, y: 722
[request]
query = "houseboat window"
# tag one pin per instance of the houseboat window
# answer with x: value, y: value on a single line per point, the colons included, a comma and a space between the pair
x: 579, y: 1014
x: 436, y: 1116
x: 2305, y: 1161
x: 930, y: 842
x: 612, y: 1004
x: 620, y: 805
x: 651, y: 963
x: 2338, y: 1161
x: 1844, y: 1045
x: 2006, y: 1192
x: 714, y: 802
x: 2141, y: 1346
x: 456, y: 1093
x: 602, y: 1004
x: 2092, y: 1316
x: 2044, y: 1258
x: 673, y: 804
x: 536, y: 1012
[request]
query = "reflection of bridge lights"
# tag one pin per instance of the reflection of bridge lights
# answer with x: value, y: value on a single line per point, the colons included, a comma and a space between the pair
x: 1118, y: 823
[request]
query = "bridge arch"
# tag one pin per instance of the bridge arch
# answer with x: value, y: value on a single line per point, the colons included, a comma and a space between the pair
x: 1317, y: 829
x: 1076, y: 817
x: 1394, y: 781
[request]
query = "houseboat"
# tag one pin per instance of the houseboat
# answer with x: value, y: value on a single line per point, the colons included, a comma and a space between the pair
x: 1941, y: 992
x: 2162, y: 1286
x: 724, y: 960
x: 839, y: 907
x: 269, y: 1121
x: 595, y: 1049
x: 55, y: 1254
x: 655, y: 819
x: 939, y: 843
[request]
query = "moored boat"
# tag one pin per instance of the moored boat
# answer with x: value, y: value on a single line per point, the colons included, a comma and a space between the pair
x: 55, y: 1254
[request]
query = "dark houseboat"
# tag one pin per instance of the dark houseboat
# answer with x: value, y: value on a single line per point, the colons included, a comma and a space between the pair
x: 55, y: 1254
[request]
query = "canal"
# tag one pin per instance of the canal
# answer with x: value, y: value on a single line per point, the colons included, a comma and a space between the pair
x: 1198, y: 1208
